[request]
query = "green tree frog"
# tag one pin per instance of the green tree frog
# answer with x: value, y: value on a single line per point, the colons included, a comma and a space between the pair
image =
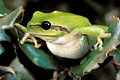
x: 65, y: 34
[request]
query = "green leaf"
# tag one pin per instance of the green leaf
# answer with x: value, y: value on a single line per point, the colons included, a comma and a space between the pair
x: 3, y: 9
x: 91, y: 61
x: 8, y: 21
x: 9, y: 77
x: 38, y: 56
x: 116, y: 56
x: 21, y: 72
x: 1, y: 49
x: 4, y: 36
x: 4, y: 70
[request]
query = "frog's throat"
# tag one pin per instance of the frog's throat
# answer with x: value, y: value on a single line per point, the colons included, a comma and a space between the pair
x: 57, y: 40
x: 73, y: 48
x: 44, y: 37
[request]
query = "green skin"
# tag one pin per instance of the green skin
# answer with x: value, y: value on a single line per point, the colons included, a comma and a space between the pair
x: 76, y: 27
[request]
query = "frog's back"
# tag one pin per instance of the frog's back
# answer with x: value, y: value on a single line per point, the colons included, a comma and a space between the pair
x: 61, y: 19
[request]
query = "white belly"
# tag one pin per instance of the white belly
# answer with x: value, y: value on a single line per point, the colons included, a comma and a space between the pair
x: 73, y: 49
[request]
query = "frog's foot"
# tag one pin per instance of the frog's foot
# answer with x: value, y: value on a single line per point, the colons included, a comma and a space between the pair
x: 32, y: 40
x: 5, y: 14
x: 106, y: 35
x: 98, y: 44
x: 99, y: 41
x: 27, y: 35
x: 36, y: 45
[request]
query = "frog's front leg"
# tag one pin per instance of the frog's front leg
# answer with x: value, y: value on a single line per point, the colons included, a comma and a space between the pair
x: 35, y: 42
x: 26, y: 39
x: 27, y: 36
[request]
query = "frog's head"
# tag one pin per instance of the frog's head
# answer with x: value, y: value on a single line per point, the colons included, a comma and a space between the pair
x: 46, y: 26
x: 49, y: 26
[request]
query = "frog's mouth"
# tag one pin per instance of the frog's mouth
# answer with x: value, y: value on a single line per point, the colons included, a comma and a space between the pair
x: 51, y: 35
x: 57, y: 28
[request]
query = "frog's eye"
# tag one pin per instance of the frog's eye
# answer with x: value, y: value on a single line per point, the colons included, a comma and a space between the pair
x: 46, y: 25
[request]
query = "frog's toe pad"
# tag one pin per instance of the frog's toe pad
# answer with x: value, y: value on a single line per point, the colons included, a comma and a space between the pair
x: 96, y: 46
x: 100, y: 47
x: 37, y: 46
x: 22, y: 42
x: 108, y: 34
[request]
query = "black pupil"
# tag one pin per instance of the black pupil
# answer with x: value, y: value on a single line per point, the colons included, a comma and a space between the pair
x: 46, y: 25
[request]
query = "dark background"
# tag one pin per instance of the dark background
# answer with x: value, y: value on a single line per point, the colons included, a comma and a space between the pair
x: 97, y: 11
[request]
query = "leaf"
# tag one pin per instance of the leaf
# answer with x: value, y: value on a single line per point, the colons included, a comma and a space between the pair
x: 9, y: 77
x: 16, y: 71
x: 6, y: 70
x: 1, y: 49
x: 116, y: 61
x: 21, y: 72
x: 91, y: 61
x: 116, y: 57
x: 3, y: 9
x: 3, y: 37
x: 38, y: 56
x: 8, y: 21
